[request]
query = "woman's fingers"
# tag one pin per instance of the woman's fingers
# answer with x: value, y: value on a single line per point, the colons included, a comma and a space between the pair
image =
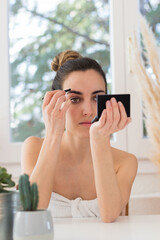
x: 58, y: 104
x: 116, y: 117
x: 110, y: 116
x: 124, y: 118
x: 102, y: 119
x: 116, y: 113
x: 47, y: 98
x: 54, y: 100
x: 66, y: 105
x: 106, y: 118
x: 113, y: 119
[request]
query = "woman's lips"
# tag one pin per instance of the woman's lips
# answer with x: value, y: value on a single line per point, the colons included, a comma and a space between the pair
x: 86, y: 124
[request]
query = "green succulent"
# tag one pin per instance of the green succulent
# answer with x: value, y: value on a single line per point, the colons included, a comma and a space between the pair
x: 28, y: 193
x: 5, y: 180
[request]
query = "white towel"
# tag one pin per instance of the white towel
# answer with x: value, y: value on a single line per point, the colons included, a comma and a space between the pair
x: 63, y: 207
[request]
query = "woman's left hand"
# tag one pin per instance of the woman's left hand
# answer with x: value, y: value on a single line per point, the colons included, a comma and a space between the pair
x: 113, y: 119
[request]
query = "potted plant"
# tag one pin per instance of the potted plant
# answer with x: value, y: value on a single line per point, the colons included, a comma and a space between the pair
x: 31, y: 223
x: 9, y: 204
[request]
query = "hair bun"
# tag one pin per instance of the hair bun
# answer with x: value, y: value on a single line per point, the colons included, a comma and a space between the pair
x: 63, y: 57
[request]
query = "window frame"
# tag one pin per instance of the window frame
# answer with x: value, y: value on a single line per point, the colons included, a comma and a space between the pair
x: 9, y: 152
x: 123, y: 22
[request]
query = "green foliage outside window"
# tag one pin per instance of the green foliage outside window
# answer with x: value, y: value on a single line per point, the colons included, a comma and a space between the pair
x: 80, y: 25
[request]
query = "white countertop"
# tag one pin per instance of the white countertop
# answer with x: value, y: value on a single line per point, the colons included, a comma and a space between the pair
x: 146, y: 227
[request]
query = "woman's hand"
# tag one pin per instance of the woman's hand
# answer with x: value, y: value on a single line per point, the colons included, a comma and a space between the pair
x: 54, y: 109
x: 113, y: 119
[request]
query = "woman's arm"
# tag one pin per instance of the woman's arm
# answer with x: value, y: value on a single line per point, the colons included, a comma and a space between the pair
x: 113, y: 189
x: 40, y: 163
x: 39, y: 160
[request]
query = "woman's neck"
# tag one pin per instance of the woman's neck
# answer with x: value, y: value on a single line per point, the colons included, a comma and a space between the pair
x: 79, y: 148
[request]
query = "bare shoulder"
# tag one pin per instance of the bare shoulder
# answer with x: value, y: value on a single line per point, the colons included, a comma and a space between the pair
x: 33, y: 141
x: 125, y: 160
x: 30, y: 152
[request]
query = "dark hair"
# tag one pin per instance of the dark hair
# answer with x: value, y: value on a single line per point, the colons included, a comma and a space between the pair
x: 69, y: 61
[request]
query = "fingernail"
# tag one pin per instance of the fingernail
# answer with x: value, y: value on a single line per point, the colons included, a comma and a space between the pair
x: 113, y: 99
x: 108, y: 103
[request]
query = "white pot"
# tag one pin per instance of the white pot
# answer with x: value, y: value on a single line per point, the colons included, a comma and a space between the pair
x: 33, y: 225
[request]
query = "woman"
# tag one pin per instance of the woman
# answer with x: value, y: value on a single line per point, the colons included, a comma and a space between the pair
x: 75, y: 167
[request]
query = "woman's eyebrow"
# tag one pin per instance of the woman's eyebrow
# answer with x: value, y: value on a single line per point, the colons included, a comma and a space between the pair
x: 73, y: 91
x: 80, y: 93
x: 98, y: 91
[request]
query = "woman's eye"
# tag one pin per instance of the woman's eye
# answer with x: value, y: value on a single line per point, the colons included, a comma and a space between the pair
x: 75, y: 100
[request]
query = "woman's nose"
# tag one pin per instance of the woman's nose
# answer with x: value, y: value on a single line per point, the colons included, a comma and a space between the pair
x: 87, y: 109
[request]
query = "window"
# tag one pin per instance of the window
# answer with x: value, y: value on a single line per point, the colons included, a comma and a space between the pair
x: 138, y: 143
x: 151, y: 11
x: 38, y: 31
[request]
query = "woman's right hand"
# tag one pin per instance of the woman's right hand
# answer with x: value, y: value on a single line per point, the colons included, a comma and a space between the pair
x: 54, y: 113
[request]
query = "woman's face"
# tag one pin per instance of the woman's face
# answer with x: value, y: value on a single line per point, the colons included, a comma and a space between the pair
x: 85, y: 85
